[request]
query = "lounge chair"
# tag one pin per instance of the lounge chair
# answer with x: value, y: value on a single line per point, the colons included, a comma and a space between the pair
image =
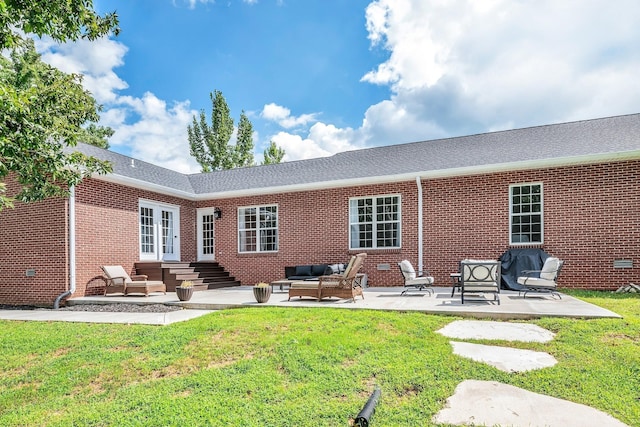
x: 480, y: 277
x: 542, y: 281
x: 415, y: 281
x: 119, y: 281
x: 345, y: 285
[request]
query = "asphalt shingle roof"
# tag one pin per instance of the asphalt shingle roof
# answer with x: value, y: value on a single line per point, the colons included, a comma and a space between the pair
x: 607, y: 137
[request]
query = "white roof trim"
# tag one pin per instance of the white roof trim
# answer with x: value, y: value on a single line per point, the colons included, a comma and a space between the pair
x: 385, y: 179
x: 144, y: 185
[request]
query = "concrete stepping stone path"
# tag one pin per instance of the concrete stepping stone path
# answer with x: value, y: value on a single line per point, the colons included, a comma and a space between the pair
x: 492, y: 403
x: 504, y: 358
x: 490, y: 330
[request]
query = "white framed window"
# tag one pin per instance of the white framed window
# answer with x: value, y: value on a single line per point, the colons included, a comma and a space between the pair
x: 159, y: 231
x: 526, y: 215
x: 374, y: 222
x: 258, y: 229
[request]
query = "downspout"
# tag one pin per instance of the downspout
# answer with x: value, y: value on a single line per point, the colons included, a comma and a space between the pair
x: 420, y: 227
x: 72, y: 249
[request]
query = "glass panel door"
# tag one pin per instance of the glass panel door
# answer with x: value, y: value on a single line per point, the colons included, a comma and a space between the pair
x: 159, y: 232
x: 206, y: 235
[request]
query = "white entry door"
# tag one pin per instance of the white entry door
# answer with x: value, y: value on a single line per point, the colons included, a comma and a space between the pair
x: 159, y: 232
x: 206, y: 235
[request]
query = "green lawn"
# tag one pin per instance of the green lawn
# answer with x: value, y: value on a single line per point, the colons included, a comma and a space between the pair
x: 293, y: 367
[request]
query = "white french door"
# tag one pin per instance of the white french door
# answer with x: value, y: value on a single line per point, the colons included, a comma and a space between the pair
x: 206, y: 234
x: 159, y: 231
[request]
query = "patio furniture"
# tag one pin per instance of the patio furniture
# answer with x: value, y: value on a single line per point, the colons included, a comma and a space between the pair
x: 480, y: 277
x: 415, y: 281
x: 119, y: 281
x: 346, y: 285
x: 542, y: 281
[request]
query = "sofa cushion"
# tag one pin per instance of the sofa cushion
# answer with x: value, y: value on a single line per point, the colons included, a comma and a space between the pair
x: 319, y: 269
x: 407, y: 269
x: 303, y: 270
x: 550, y: 268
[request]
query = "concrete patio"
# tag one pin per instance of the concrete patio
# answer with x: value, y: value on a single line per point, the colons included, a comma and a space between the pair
x: 512, y: 305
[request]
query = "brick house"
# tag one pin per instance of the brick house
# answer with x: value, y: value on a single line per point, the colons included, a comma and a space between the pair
x: 572, y: 189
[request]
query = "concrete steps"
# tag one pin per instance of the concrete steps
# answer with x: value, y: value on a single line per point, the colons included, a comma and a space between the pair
x: 204, y: 275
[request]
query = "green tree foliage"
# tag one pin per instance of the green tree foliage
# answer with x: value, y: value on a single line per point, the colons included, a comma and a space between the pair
x: 62, y: 20
x: 42, y: 112
x: 273, y: 154
x: 96, y: 135
x: 209, y: 143
x: 243, y: 151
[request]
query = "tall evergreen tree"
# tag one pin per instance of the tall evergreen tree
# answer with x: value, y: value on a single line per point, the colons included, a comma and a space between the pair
x: 273, y: 154
x: 209, y: 144
x: 244, y: 145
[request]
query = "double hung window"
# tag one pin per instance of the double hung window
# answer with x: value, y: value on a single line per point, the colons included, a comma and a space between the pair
x: 258, y: 229
x: 374, y: 222
x: 526, y: 214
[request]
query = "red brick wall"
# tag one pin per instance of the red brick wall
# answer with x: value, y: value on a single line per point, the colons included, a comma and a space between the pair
x: 33, y: 236
x: 107, y: 230
x: 313, y: 228
x: 591, y: 218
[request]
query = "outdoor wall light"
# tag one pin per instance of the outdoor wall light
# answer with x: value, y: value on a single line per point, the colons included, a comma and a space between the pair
x: 217, y: 213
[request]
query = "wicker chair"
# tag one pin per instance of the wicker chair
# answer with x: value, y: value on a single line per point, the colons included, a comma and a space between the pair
x: 119, y: 281
x: 345, y: 285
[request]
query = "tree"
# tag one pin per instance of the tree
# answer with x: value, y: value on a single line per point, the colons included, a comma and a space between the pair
x: 97, y: 135
x: 210, y: 146
x: 244, y: 144
x: 273, y: 154
x: 42, y: 109
x: 61, y: 20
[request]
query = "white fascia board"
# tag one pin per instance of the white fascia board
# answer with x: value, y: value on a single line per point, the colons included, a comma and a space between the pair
x: 431, y: 174
x: 373, y: 180
x: 145, y: 185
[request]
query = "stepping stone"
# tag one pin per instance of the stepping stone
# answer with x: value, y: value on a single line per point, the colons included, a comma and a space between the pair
x: 504, y: 358
x: 489, y: 330
x: 491, y: 403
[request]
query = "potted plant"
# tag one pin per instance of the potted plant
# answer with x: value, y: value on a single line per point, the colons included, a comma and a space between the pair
x: 185, y: 290
x: 262, y: 292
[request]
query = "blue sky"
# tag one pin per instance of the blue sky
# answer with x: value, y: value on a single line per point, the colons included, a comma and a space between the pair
x: 323, y: 76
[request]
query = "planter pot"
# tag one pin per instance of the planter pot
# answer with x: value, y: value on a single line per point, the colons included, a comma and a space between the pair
x: 262, y: 294
x: 184, y: 294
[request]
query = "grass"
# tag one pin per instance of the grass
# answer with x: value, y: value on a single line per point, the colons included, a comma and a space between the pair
x: 294, y: 367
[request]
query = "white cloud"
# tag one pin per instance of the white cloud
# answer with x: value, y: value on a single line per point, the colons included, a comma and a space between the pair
x: 147, y: 127
x: 461, y: 67
x: 283, y: 117
x: 497, y: 62
x: 96, y: 60
x: 453, y: 68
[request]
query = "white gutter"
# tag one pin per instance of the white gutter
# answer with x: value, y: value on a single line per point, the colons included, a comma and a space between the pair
x: 385, y: 179
x: 72, y: 248
x: 420, y: 225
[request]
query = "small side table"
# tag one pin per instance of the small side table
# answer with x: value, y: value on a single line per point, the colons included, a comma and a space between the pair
x: 456, y: 282
x: 281, y: 283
